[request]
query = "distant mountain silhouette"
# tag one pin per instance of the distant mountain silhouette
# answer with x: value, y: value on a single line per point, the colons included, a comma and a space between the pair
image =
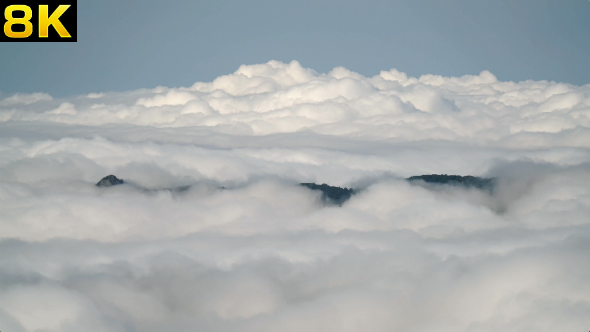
x: 330, y: 194
x: 111, y: 180
x: 108, y: 181
x: 456, y: 180
x: 337, y: 195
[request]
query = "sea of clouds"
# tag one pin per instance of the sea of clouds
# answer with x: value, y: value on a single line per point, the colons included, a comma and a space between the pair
x: 248, y: 249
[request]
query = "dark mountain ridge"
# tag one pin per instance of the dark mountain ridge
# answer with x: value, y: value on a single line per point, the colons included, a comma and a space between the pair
x: 330, y: 194
x: 337, y: 195
x: 108, y: 181
x: 456, y: 180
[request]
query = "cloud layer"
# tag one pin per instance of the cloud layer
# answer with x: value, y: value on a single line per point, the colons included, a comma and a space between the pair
x: 247, y: 249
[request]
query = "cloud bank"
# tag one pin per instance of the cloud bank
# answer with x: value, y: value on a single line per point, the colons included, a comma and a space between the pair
x: 247, y: 249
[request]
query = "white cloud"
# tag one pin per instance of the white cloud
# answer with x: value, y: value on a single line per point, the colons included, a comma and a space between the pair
x: 95, y: 95
x: 246, y: 248
x: 25, y: 98
x: 171, y: 98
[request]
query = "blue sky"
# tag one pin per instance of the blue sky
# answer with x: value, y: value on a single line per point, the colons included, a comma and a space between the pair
x: 125, y: 45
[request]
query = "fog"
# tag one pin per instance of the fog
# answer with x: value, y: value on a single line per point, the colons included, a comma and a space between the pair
x: 246, y: 248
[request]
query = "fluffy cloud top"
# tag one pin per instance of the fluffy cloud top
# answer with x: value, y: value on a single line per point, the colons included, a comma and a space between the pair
x: 247, y: 249
x: 277, y: 98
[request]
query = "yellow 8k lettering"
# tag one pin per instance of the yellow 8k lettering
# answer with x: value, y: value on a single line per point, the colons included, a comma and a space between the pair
x: 10, y: 21
x: 45, y: 21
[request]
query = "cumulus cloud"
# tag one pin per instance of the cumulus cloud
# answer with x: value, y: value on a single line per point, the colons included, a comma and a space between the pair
x: 246, y: 248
